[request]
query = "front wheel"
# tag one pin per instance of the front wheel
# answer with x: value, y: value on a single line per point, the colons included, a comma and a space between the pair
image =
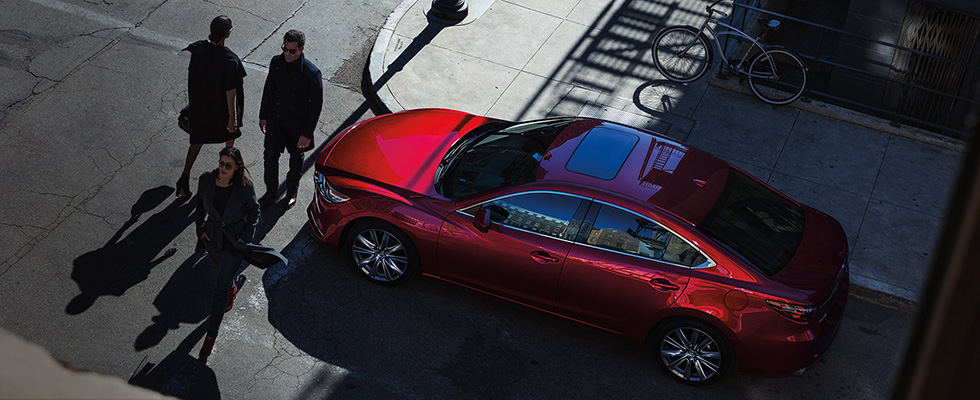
x: 692, y: 351
x: 382, y: 252
x: 680, y: 54
x: 777, y: 76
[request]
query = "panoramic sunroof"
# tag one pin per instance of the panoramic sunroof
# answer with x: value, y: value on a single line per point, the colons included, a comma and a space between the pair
x: 602, y: 153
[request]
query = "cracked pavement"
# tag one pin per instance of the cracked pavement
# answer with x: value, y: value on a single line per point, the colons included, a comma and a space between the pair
x: 97, y: 264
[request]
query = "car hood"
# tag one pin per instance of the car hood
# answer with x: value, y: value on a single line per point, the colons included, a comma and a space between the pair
x: 401, y: 149
x: 815, y: 268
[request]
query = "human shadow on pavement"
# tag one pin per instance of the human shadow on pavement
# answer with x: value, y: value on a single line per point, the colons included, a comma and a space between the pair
x: 124, y: 262
x: 179, y: 374
x: 185, y: 298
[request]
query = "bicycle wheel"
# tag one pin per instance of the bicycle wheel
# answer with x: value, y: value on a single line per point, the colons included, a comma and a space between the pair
x: 777, y: 76
x: 680, y: 54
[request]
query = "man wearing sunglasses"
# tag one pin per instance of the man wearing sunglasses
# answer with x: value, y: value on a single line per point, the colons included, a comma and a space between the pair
x: 291, y: 103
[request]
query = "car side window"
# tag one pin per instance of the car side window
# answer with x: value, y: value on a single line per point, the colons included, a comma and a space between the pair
x: 623, y: 231
x: 546, y: 213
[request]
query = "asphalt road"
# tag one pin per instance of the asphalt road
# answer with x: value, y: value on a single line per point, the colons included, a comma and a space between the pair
x: 97, y: 262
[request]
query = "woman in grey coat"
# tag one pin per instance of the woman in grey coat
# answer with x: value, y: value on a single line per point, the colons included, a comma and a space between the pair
x: 227, y: 212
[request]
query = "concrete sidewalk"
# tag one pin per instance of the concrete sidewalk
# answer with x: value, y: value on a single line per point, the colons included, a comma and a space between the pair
x: 523, y: 60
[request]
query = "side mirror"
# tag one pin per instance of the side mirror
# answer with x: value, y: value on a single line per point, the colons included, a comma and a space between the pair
x: 482, y: 220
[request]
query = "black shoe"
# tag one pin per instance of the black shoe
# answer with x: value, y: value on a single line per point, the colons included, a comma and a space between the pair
x: 183, y: 185
x: 291, y: 198
x: 267, y: 199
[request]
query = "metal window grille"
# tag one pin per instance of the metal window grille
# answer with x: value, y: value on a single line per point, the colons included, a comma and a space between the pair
x: 940, y: 32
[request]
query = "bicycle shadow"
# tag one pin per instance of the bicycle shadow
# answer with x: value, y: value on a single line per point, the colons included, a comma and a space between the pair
x: 124, y: 262
x: 661, y: 97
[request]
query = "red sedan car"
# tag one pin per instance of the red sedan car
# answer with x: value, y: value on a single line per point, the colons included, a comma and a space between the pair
x: 612, y: 226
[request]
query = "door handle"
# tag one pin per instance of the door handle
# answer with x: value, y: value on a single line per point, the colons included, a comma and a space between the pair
x: 543, y: 257
x: 663, y: 285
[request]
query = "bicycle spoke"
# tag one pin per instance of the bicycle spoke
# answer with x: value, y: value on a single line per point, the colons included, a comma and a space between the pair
x: 680, y: 54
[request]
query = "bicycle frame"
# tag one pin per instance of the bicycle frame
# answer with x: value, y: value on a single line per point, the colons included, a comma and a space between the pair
x: 739, y: 36
x: 773, y: 85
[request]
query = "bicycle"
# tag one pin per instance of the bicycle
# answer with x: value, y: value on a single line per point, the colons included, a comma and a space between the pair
x: 776, y: 75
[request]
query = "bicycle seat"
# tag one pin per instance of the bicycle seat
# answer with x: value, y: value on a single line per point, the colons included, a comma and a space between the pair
x: 769, y: 24
x: 713, y: 11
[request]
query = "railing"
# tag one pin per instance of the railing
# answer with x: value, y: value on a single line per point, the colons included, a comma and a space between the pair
x: 903, y: 84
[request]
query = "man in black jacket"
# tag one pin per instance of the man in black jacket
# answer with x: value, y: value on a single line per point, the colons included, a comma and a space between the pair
x: 291, y: 103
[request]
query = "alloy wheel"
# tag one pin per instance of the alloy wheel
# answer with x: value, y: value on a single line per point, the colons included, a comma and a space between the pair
x: 380, y: 255
x: 691, y: 354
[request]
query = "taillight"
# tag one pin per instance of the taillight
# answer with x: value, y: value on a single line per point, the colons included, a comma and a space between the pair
x: 794, y: 311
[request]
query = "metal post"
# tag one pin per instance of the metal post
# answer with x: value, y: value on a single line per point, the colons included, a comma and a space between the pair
x: 449, y: 10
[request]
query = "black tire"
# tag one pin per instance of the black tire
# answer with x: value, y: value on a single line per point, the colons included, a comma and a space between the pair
x: 680, y: 54
x: 782, y: 86
x: 382, y: 252
x: 691, y: 351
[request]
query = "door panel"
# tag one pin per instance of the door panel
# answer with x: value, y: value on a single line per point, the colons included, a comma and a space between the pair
x: 616, y: 291
x: 623, y: 270
x: 522, y: 253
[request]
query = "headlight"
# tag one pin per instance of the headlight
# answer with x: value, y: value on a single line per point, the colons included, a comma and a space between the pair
x: 326, y: 190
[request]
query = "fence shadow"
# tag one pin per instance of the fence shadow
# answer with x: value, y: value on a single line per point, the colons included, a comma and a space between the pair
x: 613, y: 58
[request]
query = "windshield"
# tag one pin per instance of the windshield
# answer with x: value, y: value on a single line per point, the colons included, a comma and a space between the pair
x: 755, y: 222
x: 498, y: 158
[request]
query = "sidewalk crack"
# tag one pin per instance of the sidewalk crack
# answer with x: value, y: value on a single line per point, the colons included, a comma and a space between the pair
x: 874, y: 186
x: 220, y: 4
x: 273, y: 32
x: 782, y: 148
x: 76, y: 204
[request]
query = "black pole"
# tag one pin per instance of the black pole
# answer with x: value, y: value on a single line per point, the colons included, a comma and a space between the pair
x: 449, y: 10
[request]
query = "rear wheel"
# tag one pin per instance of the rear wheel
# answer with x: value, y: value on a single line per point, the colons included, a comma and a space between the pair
x: 692, y: 351
x: 777, y: 76
x: 382, y: 252
x: 680, y: 54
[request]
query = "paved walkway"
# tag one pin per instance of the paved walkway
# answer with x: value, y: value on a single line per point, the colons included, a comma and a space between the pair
x: 522, y: 60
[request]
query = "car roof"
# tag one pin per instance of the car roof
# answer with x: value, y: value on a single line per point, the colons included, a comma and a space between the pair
x: 636, y: 163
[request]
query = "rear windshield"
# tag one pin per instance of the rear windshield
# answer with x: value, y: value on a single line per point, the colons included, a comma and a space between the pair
x: 755, y: 222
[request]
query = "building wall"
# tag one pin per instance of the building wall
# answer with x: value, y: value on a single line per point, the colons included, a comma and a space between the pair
x: 971, y: 7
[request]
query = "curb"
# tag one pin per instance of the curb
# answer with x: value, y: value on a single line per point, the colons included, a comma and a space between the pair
x: 883, y: 299
x: 854, y: 117
x: 882, y: 289
x: 376, y: 68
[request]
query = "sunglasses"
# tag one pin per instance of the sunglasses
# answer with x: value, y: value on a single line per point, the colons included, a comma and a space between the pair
x: 226, y: 165
x: 290, y: 51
